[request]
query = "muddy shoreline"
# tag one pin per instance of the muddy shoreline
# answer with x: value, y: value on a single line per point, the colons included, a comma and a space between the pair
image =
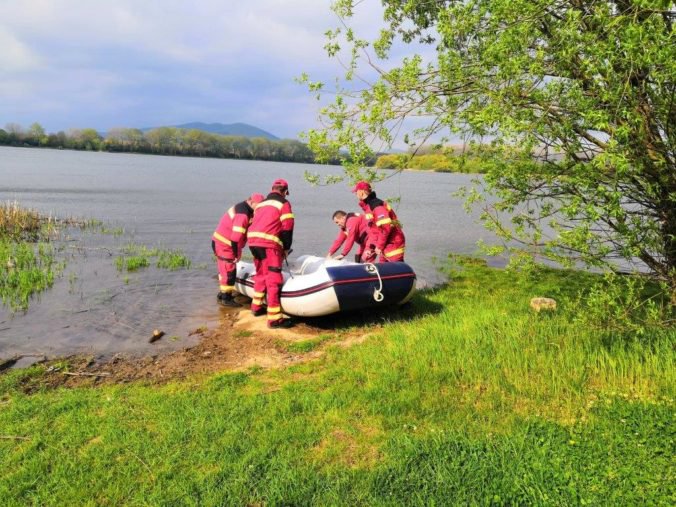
x: 239, y: 343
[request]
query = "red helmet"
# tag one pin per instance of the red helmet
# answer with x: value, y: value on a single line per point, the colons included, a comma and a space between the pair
x: 256, y: 198
x: 281, y: 183
x: 362, y: 185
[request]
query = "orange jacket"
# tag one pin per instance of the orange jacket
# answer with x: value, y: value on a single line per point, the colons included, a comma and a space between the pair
x: 272, y: 224
x: 233, y: 226
x: 384, y: 227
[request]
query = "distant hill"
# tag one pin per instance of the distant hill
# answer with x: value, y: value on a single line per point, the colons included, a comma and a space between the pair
x: 231, y: 129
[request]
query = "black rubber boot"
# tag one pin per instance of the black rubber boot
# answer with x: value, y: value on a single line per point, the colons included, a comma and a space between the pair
x: 227, y: 299
x: 280, y: 324
x: 261, y: 311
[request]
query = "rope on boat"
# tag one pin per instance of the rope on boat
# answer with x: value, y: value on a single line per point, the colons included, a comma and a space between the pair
x: 377, y: 293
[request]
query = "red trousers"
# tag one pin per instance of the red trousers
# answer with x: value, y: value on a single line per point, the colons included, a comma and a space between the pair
x: 393, y: 252
x: 268, y: 280
x: 227, y: 268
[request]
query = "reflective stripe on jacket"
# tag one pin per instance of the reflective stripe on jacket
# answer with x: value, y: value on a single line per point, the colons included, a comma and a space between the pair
x: 272, y: 224
x: 233, y: 226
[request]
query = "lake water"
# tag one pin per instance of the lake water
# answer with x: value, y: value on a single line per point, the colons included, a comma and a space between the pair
x: 175, y: 203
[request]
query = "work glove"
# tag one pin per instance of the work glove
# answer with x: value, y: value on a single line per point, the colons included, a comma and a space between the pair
x: 339, y: 257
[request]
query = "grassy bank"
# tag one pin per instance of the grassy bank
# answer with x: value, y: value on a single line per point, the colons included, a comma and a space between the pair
x: 467, y: 396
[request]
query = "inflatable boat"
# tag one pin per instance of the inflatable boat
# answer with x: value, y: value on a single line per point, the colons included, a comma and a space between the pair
x: 316, y: 286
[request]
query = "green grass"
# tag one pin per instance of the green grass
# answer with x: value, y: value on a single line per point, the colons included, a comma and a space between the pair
x: 131, y: 263
x: 172, y: 260
x: 25, y: 270
x: 303, y: 345
x: 91, y: 223
x: 113, y: 231
x: 27, y: 260
x: 139, y: 250
x: 466, y: 396
x: 135, y: 257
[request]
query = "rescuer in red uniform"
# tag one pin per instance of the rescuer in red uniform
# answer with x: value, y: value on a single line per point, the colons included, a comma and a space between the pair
x: 386, y: 239
x: 227, y: 243
x: 270, y: 237
x: 353, y: 229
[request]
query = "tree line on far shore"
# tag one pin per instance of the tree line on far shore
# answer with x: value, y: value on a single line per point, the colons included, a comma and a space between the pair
x: 198, y: 143
x: 160, y: 141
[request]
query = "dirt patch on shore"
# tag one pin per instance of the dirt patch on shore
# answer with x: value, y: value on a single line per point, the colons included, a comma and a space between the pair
x: 240, y: 342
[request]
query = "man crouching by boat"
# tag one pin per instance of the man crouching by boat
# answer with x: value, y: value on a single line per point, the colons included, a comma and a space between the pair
x: 353, y: 229
x: 227, y: 243
x: 270, y: 237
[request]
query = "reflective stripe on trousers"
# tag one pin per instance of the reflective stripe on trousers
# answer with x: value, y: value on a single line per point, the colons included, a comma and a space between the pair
x: 269, y: 282
x: 227, y: 267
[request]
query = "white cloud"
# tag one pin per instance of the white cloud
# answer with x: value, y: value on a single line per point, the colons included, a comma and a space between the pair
x: 174, y: 29
x: 15, y: 56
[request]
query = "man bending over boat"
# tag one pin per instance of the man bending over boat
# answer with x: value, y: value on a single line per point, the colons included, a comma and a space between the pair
x: 270, y: 237
x: 353, y: 229
x: 227, y: 243
x: 386, y: 239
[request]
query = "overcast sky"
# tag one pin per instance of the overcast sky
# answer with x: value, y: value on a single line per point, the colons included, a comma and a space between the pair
x: 143, y: 63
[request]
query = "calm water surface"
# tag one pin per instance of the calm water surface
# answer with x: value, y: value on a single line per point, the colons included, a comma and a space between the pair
x: 175, y: 203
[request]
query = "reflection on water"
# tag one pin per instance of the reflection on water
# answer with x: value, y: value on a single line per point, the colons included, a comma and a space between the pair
x: 175, y: 203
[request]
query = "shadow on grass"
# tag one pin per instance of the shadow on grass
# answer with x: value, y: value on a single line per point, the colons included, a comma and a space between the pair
x: 419, y: 306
